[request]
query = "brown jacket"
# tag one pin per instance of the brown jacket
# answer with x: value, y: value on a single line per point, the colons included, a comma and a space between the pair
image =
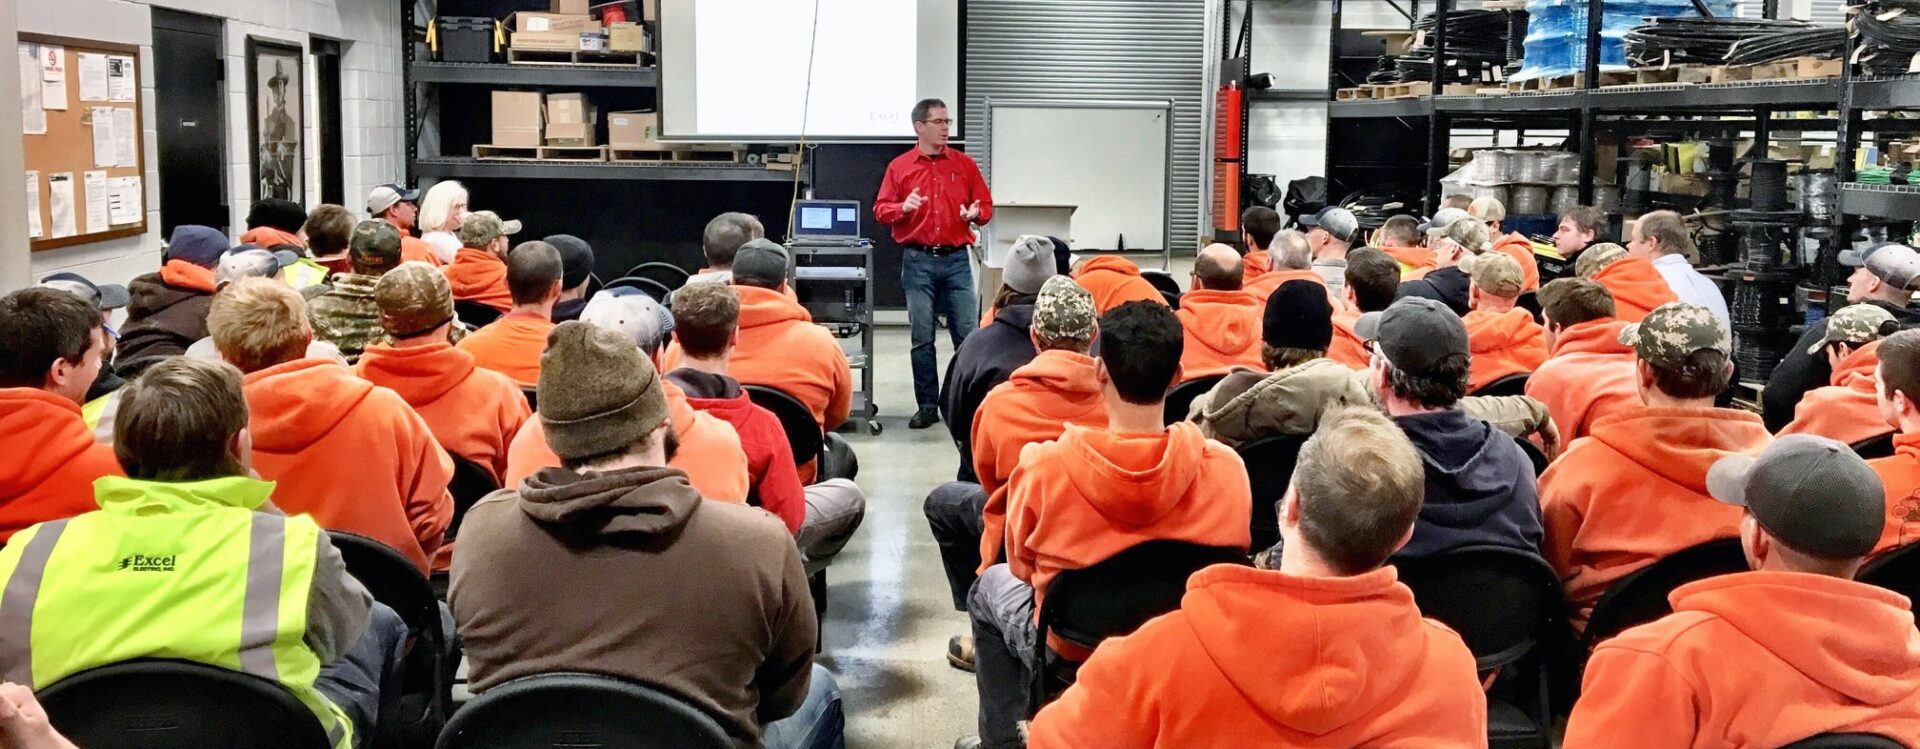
x: 631, y: 574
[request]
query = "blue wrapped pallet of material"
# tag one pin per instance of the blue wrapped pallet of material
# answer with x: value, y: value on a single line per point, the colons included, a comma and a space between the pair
x: 1557, y: 32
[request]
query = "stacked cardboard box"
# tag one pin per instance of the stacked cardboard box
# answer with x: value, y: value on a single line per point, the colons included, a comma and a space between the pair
x: 517, y: 118
x: 556, y: 32
x: 571, y: 120
x: 634, y: 130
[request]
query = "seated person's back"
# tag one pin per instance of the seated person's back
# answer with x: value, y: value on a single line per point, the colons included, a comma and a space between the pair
x: 344, y: 314
x: 51, y: 349
x: 512, y: 344
x: 1291, y: 259
x: 352, y: 454
x: 1636, y: 489
x: 1795, y: 648
x: 1300, y: 384
x: 1589, y: 374
x: 1211, y: 674
x: 1113, y: 281
x: 1636, y: 287
x: 1220, y: 319
x: 478, y: 272
x: 1847, y: 409
x: 705, y: 600
x: 167, y: 310
x: 1897, y: 392
x: 1504, y: 339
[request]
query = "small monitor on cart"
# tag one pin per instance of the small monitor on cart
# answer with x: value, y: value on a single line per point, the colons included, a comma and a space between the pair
x: 826, y: 220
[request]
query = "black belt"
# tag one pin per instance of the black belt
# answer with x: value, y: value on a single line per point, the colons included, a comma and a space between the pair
x: 938, y: 250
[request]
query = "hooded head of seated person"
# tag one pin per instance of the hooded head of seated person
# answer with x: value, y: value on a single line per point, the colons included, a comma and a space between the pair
x: 511, y: 345
x: 51, y: 350
x: 1588, y: 373
x: 1220, y: 320
x: 1505, y: 340
x: 1897, y: 392
x: 1846, y: 409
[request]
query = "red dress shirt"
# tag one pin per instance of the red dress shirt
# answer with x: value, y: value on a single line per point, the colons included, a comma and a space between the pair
x: 949, y: 182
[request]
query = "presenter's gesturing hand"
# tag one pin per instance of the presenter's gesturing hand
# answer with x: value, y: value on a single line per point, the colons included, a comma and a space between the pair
x: 913, y: 201
x: 971, y: 212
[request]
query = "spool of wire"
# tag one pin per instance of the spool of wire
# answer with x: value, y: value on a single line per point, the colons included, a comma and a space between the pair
x: 1716, y: 248
x: 1516, y: 37
x: 1767, y: 188
x: 1762, y: 247
x: 1761, y: 305
x: 1757, y: 353
x: 1819, y: 194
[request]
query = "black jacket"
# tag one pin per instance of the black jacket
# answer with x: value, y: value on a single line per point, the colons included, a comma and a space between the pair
x: 1800, y: 371
x: 1480, y: 486
x: 162, y: 320
x: 987, y: 358
x: 1447, y: 286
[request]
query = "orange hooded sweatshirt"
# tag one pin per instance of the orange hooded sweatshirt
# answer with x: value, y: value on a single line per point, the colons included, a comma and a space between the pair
x: 1503, y: 343
x: 473, y: 412
x: 1217, y: 674
x: 1847, y: 409
x: 1516, y: 245
x: 1263, y: 287
x: 709, y: 453
x: 413, y: 248
x: 1034, y: 405
x: 480, y: 276
x: 269, y: 237
x: 1222, y: 330
x: 1412, y: 260
x: 1756, y: 659
x: 1635, y: 491
x: 1900, y: 474
x: 1636, y: 286
x: 778, y: 346
x: 1346, y: 347
x: 1588, y: 375
x: 354, y: 456
x: 186, y: 275
x: 512, y: 346
x: 1113, y: 281
x: 1252, y: 265
x: 48, y: 460
x: 1092, y: 494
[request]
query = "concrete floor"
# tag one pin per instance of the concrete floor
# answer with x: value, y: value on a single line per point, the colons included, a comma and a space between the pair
x: 889, y: 613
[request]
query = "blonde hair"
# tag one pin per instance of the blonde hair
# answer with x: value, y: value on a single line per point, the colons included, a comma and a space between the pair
x: 437, y: 206
x: 259, y: 322
x: 1360, y: 484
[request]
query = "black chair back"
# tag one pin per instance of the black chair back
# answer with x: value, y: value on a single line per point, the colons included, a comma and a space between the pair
x: 471, y: 481
x: 1874, y: 447
x: 166, y: 704
x: 1163, y: 282
x: 1530, y: 301
x: 1270, y: 462
x: 580, y: 710
x: 533, y: 397
x: 474, y: 313
x: 803, y: 433
x: 1535, y: 455
x: 1642, y: 596
x: 648, y: 286
x: 426, y: 681
x: 837, y: 459
x: 667, y: 274
x: 1180, y: 397
x: 1897, y: 570
x: 1513, y: 384
x: 1846, y: 741
x: 1501, y: 600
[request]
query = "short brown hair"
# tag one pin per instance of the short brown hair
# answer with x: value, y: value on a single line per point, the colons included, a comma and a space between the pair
x: 175, y: 420
x: 704, y: 318
x: 1219, y: 277
x: 39, y: 327
x: 1571, y: 301
x: 1585, y: 218
x: 1278, y: 358
x: 1900, y: 364
x: 724, y: 235
x: 1703, y: 375
x: 532, y: 270
x: 1400, y: 230
x: 1359, y: 485
x: 259, y: 322
x: 1374, y: 277
x: 1671, y: 231
x: 1260, y: 223
x: 329, y: 229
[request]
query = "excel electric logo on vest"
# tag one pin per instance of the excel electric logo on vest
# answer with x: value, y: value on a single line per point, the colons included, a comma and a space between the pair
x: 144, y: 563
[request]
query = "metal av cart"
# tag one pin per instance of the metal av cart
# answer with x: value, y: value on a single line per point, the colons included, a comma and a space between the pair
x: 834, y: 280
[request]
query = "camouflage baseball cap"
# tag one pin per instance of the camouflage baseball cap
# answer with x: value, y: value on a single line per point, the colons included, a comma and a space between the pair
x: 1592, y: 259
x: 1063, y: 311
x: 1674, y: 331
x: 375, y: 244
x: 482, y: 227
x: 1499, y: 275
x: 1856, y: 324
x: 1471, y: 234
x: 413, y: 299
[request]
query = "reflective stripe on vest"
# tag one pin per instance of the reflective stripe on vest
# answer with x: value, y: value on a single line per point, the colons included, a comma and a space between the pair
x: 17, y: 601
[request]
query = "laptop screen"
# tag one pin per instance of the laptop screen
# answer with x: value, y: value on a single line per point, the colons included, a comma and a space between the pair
x: 827, y: 218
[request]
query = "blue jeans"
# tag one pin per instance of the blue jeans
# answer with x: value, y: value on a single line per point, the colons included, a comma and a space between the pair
x: 936, y: 286
x: 820, y: 723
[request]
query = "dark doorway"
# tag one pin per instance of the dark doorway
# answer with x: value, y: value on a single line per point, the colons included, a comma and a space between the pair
x: 190, y: 104
x: 326, y: 64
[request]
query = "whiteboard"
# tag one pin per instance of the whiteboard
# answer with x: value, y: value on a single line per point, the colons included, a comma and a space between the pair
x: 1110, y: 158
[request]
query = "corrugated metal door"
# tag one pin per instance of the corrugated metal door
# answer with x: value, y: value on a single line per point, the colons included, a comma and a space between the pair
x: 1090, y: 50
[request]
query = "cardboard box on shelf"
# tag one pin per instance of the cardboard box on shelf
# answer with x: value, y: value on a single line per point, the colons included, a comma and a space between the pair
x: 537, y: 22
x: 626, y: 37
x: 569, y: 7
x: 546, y: 41
x: 516, y: 118
x: 571, y: 134
x: 640, y: 130
x: 650, y: 10
x: 570, y: 108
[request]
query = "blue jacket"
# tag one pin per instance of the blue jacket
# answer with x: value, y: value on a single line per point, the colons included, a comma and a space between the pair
x: 1480, y: 486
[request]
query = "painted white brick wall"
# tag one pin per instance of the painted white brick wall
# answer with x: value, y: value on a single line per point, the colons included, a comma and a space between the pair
x: 372, y: 131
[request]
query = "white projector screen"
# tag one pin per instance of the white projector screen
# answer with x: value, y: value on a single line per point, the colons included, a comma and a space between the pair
x: 737, y: 70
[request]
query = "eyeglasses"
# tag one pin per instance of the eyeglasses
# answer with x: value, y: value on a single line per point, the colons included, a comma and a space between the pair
x: 942, y: 123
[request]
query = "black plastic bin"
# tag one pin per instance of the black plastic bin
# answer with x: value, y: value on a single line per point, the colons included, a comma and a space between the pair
x: 465, y: 38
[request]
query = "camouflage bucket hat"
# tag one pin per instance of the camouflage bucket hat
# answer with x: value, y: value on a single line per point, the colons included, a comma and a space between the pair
x: 485, y: 226
x: 1674, y: 331
x: 1854, y: 324
x: 375, y: 243
x: 1592, y: 259
x: 1063, y: 311
x: 413, y: 299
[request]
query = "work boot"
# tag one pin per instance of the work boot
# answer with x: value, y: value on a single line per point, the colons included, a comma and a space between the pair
x: 967, y: 742
x: 925, y: 417
x: 960, y: 652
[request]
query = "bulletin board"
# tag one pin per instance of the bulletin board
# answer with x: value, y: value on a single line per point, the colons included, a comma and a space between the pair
x: 74, y: 141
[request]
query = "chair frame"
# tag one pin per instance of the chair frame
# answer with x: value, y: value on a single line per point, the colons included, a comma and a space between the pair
x: 1709, y: 552
x: 75, y: 699
x: 1513, y: 384
x: 646, y: 707
x: 1181, y: 396
x: 429, y: 661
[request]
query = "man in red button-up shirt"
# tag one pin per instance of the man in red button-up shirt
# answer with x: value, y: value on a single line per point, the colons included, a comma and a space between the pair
x: 933, y: 196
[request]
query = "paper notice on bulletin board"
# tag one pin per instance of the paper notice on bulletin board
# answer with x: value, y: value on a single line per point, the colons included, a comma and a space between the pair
x: 120, y: 80
x: 53, y: 77
x: 93, y: 76
x: 33, y: 112
x: 93, y: 191
x: 123, y: 200
x: 103, y: 146
x: 124, y: 140
x: 34, y: 230
x: 60, y: 203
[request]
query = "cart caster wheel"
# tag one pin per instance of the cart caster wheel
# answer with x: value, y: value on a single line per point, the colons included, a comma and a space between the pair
x: 873, y: 427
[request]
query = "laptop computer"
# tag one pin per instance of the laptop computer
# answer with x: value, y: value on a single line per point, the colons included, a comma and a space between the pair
x: 825, y: 220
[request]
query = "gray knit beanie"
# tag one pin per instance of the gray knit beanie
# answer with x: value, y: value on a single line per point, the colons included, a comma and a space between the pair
x: 1029, y: 264
x: 597, y: 393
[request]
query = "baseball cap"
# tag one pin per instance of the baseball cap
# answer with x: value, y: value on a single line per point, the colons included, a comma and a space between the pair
x: 103, y: 296
x: 1896, y: 264
x: 1855, y: 324
x: 413, y: 299
x: 1063, y: 311
x: 1442, y: 219
x: 1674, y: 331
x: 1415, y: 333
x: 1812, y: 493
x: 632, y: 314
x: 200, y: 245
x: 383, y: 197
x: 761, y: 263
x: 576, y: 259
x: 1499, y: 275
x: 248, y: 261
x: 375, y: 244
x: 1487, y: 208
x: 482, y: 227
x: 1470, y: 233
x: 1592, y: 259
x: 1333, y: 220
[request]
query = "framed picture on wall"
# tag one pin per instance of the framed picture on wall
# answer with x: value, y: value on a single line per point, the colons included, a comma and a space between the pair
x: 275, y: 92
